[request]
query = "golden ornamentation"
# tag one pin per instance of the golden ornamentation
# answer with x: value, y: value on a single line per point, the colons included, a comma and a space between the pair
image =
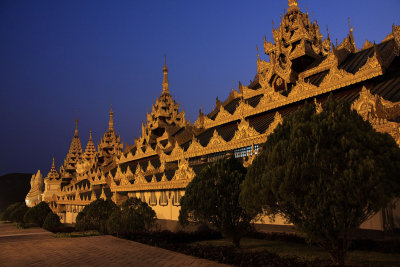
x: 244, y: 130
x: 318, y: 106
x: 277, y: 120
x: 216, y: 140
x: 184, y: 172
x: 222, y: 115
x: 177, y: 151
x: 194, y: 146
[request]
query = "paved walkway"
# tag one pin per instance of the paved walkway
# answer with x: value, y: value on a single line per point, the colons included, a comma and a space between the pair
x: 37, y: 247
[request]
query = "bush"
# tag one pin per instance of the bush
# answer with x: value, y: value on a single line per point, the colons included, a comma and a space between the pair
x: 37, y: 214
x: 6, y: 214
x: 212, y: 197
x: 15, y: 212
x: 52, y: 222
x: 135, y: 216
x: 95, y: 215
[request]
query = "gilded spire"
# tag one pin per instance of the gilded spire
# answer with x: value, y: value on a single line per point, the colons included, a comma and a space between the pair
x: 90, y: 149
x: 53, y: 166
x: 76, y: 126
x: 293, y: 3
x: 111, y: 121
x: 165, y: 83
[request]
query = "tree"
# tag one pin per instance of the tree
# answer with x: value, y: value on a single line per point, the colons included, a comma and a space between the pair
x: 37, y: 214
x: 15, y: 212
x: 52, y: 222
x: 95, y: 215
x: 134, y: 216
x: 326, y: 173
x: 212, y: 197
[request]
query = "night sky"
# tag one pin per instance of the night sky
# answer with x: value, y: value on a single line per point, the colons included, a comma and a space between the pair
x: 62, y: 58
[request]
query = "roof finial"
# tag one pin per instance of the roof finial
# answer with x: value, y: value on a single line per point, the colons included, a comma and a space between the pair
x: 327, y: 32
x: 292, y: 3
x: 350, y: 27
x: 165, y: 83
x: 76, y: 125
x: 111, y: 121
x: 90, y: 136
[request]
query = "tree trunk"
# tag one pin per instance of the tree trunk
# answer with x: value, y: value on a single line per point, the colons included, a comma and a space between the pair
x: 337, y: 256
x: 236, y: 240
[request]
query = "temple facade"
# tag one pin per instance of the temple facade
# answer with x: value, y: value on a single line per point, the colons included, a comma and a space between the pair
x: 302, y: 66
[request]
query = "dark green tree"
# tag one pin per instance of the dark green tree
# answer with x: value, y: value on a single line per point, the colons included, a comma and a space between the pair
x: 212, y: 197
x: 326, y: 173
x: 95, y: 215
x: 37, y: 214
x: 52, y: 222
x: 15, y: 212
x: 134, y: 216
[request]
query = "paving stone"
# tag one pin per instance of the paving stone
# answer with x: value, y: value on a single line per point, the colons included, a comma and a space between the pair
x: 38, y: 247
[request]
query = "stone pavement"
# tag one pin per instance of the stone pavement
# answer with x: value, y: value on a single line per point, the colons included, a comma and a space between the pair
x: 37, y: 247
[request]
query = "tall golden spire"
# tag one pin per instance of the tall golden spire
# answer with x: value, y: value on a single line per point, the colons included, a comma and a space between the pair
x: 53, y: 166
x: 111, y: 121
x: 165, y: 83
x: 76, y: 126
x: 293, y: 3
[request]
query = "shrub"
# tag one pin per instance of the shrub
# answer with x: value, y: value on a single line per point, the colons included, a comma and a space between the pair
x: 52, y: 222
x: 95, y: 215
x: 37, y: 214
x: 134, y: 216
x: 6, y: 214
x: 15, y: 212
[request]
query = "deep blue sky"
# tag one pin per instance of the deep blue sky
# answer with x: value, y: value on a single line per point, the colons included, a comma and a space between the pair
x: 62, y: 57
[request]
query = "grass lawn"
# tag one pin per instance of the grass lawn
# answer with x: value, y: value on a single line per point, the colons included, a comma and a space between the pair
x: 307, y: 252
x: 77, y: 234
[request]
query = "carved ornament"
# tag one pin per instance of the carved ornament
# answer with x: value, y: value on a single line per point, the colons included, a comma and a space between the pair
x: 244, y: 130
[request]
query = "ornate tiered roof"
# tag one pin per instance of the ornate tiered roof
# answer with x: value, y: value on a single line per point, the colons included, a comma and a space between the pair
x: 110, y: 145
x: 74, y: 155
x: 90, y: 150
x: 53, y: 174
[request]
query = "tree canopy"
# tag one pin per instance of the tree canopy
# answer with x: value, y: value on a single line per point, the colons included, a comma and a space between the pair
x: 212, y: 197
x: 324, y: 172
x: 134, y: 216
x: 94, y: 216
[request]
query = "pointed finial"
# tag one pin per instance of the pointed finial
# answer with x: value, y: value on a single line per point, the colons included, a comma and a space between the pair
x: 76, y: 125
x: 53, y: 164
x: 350, y: 27
x: 90, y: 136
x: 327, y: 32
x: 292, y: 3
x: 165, y: 83
x: 258, y: 56
x: 111, y: 121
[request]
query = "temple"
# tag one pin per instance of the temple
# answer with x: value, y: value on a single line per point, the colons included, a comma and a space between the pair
x: 299, y: 65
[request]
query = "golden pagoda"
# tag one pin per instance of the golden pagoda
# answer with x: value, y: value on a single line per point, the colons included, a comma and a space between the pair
x: 302, y: 66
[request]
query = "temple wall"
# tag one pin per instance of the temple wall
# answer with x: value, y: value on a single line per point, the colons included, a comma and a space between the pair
x: 373, y: 223
x: 168, y: 214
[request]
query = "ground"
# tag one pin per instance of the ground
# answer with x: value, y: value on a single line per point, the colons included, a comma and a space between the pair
x: 38, y: 247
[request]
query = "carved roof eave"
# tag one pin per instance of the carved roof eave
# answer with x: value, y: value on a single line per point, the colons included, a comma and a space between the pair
x: 343, y: 79
x: 138, y: 155
x: 151, y: 186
